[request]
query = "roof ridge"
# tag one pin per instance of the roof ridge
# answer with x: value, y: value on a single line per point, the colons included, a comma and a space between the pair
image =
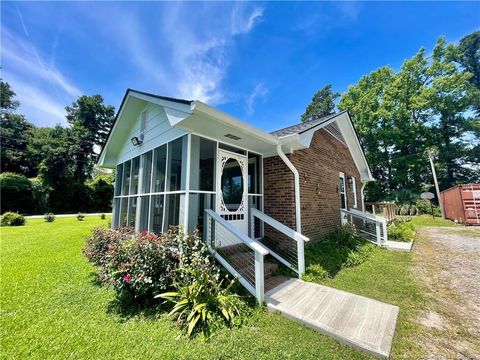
x: 168, y: 98
x: 305, y: 125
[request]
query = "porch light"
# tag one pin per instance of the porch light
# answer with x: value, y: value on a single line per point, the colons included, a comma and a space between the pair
x: 136, y: 141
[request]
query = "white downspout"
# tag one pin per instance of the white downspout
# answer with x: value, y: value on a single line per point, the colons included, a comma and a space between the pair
x: 298, y: 219
x: 362, y: 194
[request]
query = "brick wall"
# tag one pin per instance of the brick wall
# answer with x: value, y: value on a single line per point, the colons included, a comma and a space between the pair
x: 319, y: 168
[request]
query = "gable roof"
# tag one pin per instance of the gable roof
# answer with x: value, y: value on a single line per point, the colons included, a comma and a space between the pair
x: 304, y: 126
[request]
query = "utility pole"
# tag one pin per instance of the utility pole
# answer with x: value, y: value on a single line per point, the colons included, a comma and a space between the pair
x: 430, y: 157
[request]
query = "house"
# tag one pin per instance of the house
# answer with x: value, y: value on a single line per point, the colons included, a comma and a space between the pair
x: 249, y: 192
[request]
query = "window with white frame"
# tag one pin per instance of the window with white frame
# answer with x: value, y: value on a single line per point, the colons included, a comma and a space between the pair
x: 341, y: 190
x: 149, y: 188
x: 354, y: 191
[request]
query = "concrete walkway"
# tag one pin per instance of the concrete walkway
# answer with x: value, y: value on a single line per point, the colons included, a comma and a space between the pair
x: 365, y: 324
x: 399, y: 245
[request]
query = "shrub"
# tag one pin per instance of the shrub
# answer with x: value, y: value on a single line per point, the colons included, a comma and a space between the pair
x: 12, y: 219
x: 201, y: 303
x: 143, y: 265
x: 359, y: 255
x: 50, y: 217
x: 16, y: 193
x: 403, y: 231
x: 80, y: 217
x: 103, y: 216
x: 315, y: 273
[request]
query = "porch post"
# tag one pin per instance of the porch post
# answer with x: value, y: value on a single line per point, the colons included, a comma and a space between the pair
x: 259, y: 277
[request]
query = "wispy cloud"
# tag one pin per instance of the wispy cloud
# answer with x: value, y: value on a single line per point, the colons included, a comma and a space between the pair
x: 41, y: 88
x: 258, y: 94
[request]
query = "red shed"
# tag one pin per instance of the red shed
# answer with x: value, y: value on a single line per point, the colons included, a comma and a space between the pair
x: 462, y: 203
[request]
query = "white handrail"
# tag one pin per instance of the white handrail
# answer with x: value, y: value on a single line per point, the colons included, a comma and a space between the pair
x: 278, y: 225
x: 380, y: 223
x: 260, y: 251
x: 299, y: 238
x: 255, y: 246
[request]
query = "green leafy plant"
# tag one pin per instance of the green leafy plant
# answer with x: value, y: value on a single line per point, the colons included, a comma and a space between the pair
x: 103, y: 216
x: 80, y: 216
x: 403, y: 231
x: 199, y: 305
x: 315, y: 273
x: 12, y: 219
x: 49, y: 217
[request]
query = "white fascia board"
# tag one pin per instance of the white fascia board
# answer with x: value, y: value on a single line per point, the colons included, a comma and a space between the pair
x: 175, y: 112
x: 202, y: 108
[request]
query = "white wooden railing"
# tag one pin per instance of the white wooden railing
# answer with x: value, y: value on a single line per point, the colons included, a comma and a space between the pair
x: 246, y: 265
x: 292, y: 253
x: 372, y: 227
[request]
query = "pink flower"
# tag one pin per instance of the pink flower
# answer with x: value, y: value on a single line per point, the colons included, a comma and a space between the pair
x: 127, y: 278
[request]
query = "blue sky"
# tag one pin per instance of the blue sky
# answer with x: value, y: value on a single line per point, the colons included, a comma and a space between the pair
x: 260, y: 62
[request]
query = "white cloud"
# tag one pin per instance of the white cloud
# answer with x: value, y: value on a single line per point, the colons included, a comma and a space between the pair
x: 259, y: 93
x: 243, y: 19
x: 43, y: 90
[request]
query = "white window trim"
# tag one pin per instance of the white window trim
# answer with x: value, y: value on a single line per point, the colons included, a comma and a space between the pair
x: 354, y: 184
x: 344, y: 192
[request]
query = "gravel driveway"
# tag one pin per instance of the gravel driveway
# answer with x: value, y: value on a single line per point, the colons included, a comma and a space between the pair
x: 448, y: 260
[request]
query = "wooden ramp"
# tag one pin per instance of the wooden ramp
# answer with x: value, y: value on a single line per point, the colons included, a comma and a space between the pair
x: 363, y: 323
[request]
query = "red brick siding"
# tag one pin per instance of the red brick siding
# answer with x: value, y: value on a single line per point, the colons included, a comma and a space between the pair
x: 319, y: 168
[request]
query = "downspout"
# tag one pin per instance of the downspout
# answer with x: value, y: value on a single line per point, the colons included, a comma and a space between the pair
x: 362, y: 194
x: 286, y: 160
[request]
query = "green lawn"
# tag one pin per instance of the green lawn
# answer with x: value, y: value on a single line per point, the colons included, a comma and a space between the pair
x: 428, y: 220
x: 52, y: 308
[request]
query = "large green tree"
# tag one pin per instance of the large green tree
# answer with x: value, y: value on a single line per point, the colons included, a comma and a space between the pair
x: 14, y: 131
x: 323, y: 104
x: 91, y: 120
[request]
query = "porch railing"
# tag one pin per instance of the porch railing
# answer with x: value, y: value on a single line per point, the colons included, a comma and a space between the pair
x: 289, y: 252
x: 371, y: 227
x: 242, y: 256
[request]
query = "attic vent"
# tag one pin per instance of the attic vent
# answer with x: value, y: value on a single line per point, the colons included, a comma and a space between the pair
x: 143, y: 122
x: 333, y: 129
x: 233, y: 137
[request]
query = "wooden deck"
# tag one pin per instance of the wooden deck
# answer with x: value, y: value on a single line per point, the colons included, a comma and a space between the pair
x: 366, y: 324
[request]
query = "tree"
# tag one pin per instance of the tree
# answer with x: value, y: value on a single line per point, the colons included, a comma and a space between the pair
x: 16, y: 193
x: 14, y: 130
x: 323, y: 104
x: 91, y: 120
x: 468, y: 56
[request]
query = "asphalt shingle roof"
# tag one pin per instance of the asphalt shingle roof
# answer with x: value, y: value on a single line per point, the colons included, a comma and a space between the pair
x: 304, y: 126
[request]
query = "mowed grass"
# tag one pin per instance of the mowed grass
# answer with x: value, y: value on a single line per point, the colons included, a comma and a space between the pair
x: 52, y: 308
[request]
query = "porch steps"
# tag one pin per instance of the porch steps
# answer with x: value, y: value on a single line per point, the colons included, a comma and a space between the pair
x: 241, y: 258
x: 363, y: 323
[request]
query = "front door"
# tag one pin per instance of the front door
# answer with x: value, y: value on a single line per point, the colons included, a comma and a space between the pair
x: 232, y: 188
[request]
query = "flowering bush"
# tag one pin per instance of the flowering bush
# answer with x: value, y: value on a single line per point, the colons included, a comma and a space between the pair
x: 142, y: 265
x: 49, y: 217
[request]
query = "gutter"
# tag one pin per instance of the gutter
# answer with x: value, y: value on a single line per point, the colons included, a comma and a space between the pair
x: 286, y: 160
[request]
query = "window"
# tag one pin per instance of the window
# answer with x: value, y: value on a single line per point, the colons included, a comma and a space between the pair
x: 160, y: 161
x: 172, y: 210
x: 202, y: 160
x: 147, y: 172
x: 126, y: 178
x: 144, y: 209
x: 156, y: 214
x: 175, y: 164
x: 123, y: 212
x: 254, y: 174
x: 341, y: 190
x: 118, y: 180
x: 116, y: 212
x: 132, y: 211
x: 196, y: 213
x: 354, y: 190
x: 135, y: 175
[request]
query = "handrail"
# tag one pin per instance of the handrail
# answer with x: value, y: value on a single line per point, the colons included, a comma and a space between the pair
x: 279, y: 226
x: 296, y: 236
x: 255, y: 246
x: 260, y: 251
x: 380, y: 223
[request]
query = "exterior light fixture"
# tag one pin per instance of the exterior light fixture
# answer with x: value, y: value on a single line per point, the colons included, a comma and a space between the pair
x: 136, y: 141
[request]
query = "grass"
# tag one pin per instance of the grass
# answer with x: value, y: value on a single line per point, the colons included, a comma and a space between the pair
x: 51, y: 307
x: 386, y: 276
x: 428, y: 220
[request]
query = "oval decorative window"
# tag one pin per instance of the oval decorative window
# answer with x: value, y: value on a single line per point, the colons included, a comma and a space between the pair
x: 232, y: 185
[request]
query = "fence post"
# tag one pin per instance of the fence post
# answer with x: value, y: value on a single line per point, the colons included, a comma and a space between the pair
x: 379, y: 233
x: 301, y: 257
x: 259, y: 277
x: 385, y: 233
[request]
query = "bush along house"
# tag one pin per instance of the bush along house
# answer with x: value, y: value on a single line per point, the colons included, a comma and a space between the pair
x: 250, y: 193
